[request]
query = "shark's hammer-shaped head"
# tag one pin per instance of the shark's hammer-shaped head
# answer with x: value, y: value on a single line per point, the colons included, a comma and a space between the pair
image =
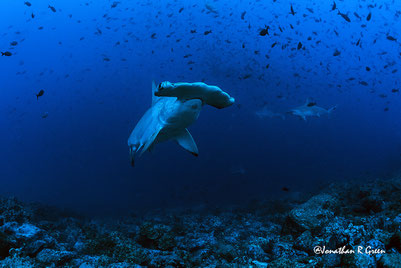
x: 164, y: 89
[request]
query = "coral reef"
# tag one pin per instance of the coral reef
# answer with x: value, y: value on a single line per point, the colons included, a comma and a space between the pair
x: 264, y: 233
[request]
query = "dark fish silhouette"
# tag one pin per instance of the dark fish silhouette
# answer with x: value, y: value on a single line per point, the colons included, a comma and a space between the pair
x: 40, y: 94
x: 389, y: 37
x: 264, y: 31
x: 334, y: 7
x: 336, y: 53
x: 344, y: 16
x: 356, y: 15
x: 28, y: 4
x: 7, y: 54
x: 363, y: 83
x: 292, y: 11
x: 52, y: 8
x: 285, y: 189
x: 369, y: 16
x: 115, y: 4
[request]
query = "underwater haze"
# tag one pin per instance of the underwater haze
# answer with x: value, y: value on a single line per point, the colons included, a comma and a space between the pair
x: 303, y: 169
x: 95, y: 60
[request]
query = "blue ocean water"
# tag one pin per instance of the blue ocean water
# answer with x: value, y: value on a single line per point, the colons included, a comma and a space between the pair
x: 95, y: 61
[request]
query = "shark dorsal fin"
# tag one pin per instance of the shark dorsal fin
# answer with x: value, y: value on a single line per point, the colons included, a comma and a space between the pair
x: 154, y: 89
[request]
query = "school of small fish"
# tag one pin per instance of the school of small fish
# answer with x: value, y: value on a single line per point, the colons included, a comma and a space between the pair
x: 332, y: 45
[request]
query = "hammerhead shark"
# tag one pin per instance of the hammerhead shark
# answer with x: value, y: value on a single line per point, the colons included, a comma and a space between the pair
x: 166, y: 119
x: 310, y: 109
x: 175, y: 106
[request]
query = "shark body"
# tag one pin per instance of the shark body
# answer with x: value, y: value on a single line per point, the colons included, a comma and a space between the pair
x: 266, y: 113
x: 167, y: 119
x: 310, y: 109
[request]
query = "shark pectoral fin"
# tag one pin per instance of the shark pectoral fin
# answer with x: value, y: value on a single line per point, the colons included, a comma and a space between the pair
x: 187, y: 142
x: 132, y: 152
x: 303, y: 117
x: 150, y: 141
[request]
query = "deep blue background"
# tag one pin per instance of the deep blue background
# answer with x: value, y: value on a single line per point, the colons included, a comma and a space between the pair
x: 78, y: 156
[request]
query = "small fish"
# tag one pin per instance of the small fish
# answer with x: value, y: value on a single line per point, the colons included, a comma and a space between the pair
x: 181, y: 9
x: 274, y: 44
x: 207, y: 32
x: 33, y: 15
x: 264, y: 31
x: 363, y: 83
x: 7, y: 54
x: 193, y: 31
x: 40, y: 94
x: 153, y: 36
x: 299, y: 46
x: 344, y: 16
x: 336, y: 53
x: 115, y: 4
x: 14, y: 43
x: 369, y: 16
x: 368, y: 68
x: 45, y: 115
x: 52, y: 8
x: 394, y: 90
x: 334, y: 7
x: 356, y: 15
x: 292, y: 11
x: 389, y: 37
x: 285, y: 189
x: 28, y: 4
x: 243, y: 15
